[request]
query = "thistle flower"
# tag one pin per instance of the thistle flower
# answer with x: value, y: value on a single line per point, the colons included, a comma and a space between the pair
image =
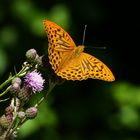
x: 34, y: 81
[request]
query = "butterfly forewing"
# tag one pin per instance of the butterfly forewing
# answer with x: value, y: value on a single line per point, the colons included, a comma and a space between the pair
x: 61, y: 45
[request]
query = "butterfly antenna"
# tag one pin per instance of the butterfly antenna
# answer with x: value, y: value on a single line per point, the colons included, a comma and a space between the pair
x: 102, y: 47
x: 84, y: 33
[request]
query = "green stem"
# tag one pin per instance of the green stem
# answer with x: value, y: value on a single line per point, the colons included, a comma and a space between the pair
x: 6, y: 82
x: 20, y: 123
x: 39, y: 102
x: 8, y: 133
x: 17, y: 125
x: 3, y: 93
x: 14, y: 128
x: 4, y: 100
x: 14, y: 124
x: 21, y: 73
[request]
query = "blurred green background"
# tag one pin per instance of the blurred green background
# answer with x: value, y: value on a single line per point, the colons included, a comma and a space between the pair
x: 85, y: 110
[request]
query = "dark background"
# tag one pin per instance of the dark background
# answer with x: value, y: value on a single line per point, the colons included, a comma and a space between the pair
x: 84, y: 110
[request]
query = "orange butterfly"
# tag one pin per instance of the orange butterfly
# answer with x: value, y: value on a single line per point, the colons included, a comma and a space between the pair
x: 69, y: 61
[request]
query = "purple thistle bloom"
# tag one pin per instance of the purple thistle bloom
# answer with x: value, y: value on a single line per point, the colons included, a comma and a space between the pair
x: 34, y: 81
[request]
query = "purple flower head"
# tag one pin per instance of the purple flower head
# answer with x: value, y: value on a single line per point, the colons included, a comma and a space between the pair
x: 34, y: 81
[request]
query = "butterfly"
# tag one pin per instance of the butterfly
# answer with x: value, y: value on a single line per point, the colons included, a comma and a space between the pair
x: 69, y: 61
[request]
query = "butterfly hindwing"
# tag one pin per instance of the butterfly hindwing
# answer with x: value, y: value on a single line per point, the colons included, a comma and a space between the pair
x: 86, y: 66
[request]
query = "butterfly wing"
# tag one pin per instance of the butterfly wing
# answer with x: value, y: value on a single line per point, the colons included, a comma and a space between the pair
x: 61, y: 45
x: 86, y: 66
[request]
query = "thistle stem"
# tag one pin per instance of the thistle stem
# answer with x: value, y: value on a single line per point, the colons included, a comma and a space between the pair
x: 21, y: 73
x: 8, y: 133
x: 3, y: 93
x: 4, y: 100
x: 6, y: 82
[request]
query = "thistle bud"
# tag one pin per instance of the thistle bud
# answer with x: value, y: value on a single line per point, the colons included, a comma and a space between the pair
x: 15, y: 87
x: 31, y: 112
x: 38, y: 60
x: 9, y: 117
x: 9, y: 110
x: 31, y: 55
x: 25, y: 94
x: 4, y: 121
x: 21, y: 114
x: 16, y: 80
